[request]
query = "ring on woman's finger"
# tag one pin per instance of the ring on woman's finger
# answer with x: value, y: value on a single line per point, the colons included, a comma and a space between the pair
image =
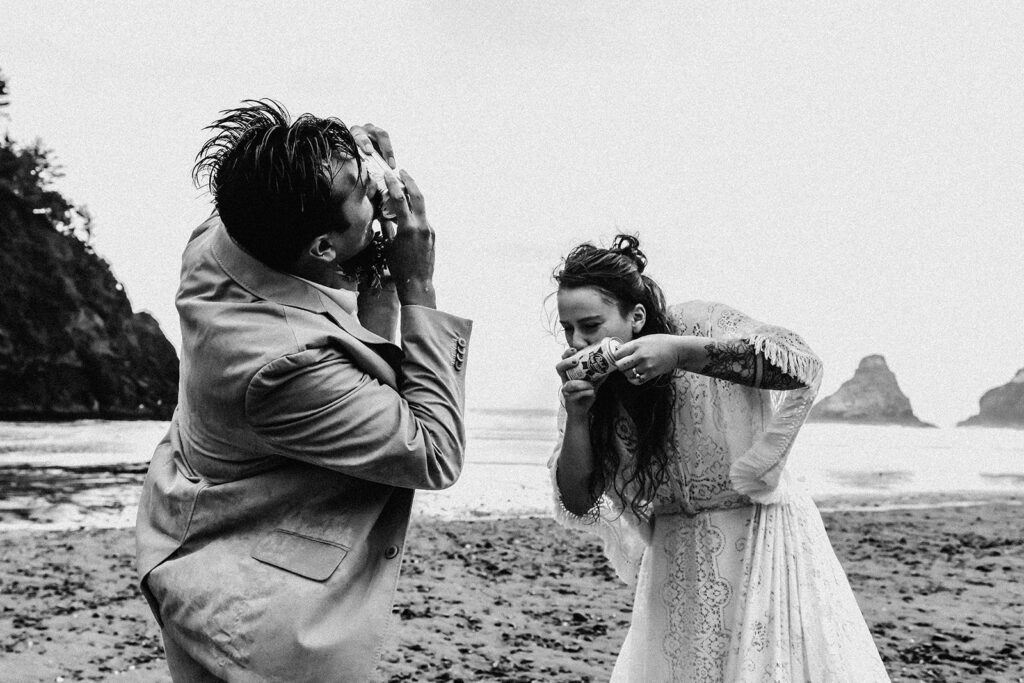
x: 637, y: 376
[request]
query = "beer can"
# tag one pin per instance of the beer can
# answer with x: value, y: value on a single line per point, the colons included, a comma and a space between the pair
x: 595, y: 361
x: 377, y: 168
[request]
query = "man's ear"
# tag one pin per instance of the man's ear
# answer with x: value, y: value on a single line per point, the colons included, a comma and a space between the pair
x: 638, y: 318
x: 321, y: 249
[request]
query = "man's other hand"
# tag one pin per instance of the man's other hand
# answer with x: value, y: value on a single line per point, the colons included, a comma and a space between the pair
x: 369, y: 137
x: 411, y: 254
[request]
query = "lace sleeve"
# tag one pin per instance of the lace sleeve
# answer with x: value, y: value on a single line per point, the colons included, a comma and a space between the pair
x: 623, y: 535
x: 758, y: 472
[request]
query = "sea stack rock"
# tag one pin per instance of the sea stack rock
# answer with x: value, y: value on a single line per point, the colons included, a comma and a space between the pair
x: 70, y: 344
x: 872, y: 396
x: 1001, y: 407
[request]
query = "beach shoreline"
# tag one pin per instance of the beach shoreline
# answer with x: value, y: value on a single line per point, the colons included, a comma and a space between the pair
x: 521, y: 599
x: 50, y: 497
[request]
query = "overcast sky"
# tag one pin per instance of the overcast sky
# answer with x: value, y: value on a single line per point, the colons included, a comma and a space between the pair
x: 852, y: 171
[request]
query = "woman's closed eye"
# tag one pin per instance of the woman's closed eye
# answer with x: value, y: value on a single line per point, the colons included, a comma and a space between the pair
x: 585, y: 328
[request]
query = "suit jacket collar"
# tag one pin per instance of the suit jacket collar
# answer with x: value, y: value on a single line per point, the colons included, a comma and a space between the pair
x: 282, y: 288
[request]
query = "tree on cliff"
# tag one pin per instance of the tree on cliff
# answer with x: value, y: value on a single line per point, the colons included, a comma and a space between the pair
x: 27, y: 175
x: 70, y: 345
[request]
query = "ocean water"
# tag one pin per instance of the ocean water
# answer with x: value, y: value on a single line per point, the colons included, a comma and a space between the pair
x: 88, y: 473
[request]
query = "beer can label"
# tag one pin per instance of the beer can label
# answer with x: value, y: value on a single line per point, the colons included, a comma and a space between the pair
x: 595, y: 361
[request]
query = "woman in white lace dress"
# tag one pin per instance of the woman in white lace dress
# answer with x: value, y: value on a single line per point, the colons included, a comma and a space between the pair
x: 677, y: 462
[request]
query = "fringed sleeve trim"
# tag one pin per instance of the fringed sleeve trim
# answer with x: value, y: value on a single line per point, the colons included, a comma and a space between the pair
x: 802, y: 364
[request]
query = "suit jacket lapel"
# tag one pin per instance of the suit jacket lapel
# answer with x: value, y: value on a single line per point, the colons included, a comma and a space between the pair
x: 381, y: 358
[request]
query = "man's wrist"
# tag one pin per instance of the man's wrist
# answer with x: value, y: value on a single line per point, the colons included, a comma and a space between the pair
x: 416, y: 292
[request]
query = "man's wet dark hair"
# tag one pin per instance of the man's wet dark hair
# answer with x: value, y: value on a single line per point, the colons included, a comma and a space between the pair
x: 271, y: 178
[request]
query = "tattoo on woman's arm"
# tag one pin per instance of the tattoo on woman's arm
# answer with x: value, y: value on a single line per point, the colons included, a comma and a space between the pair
x: 737, y: 361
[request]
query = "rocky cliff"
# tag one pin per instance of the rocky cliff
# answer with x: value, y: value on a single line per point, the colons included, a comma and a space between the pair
x: 1001, y: 407
x: 871, y: 396
x: 70, y: 345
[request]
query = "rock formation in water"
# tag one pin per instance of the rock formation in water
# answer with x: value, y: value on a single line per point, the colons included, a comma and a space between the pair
x: 1001, y: 407
x: 70, y: 345
x: 871, y: 396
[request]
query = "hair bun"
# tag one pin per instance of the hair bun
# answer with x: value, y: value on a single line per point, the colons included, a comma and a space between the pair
x: 629, y: 246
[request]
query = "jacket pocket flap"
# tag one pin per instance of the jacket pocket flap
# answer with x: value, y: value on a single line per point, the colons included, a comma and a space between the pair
x: 313, y: 558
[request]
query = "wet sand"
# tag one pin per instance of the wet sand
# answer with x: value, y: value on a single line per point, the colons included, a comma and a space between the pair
x: 942, y: 589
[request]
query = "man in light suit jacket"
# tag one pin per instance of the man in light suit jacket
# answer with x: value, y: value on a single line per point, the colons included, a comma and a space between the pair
x: 274, y: 513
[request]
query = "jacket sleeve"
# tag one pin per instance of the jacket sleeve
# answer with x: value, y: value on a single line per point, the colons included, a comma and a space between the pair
x: 318, y: 406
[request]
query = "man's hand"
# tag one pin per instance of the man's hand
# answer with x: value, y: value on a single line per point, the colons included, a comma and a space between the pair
x: 411, y: 254
x: 369, y: 137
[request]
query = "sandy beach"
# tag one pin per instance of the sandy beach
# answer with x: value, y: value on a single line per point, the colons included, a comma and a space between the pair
x: 941, y: 586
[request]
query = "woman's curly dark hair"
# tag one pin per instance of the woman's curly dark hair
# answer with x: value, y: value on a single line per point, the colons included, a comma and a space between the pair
x: 271, y: 178
x: 618, y: 274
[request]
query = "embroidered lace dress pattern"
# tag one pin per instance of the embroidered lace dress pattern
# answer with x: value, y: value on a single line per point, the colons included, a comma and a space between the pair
x: 696, y: 596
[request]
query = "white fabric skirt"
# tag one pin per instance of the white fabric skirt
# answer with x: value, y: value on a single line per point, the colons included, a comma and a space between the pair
x: 751, y: 594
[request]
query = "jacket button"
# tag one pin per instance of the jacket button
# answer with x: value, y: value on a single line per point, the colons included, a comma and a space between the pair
x: 391, y: 552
